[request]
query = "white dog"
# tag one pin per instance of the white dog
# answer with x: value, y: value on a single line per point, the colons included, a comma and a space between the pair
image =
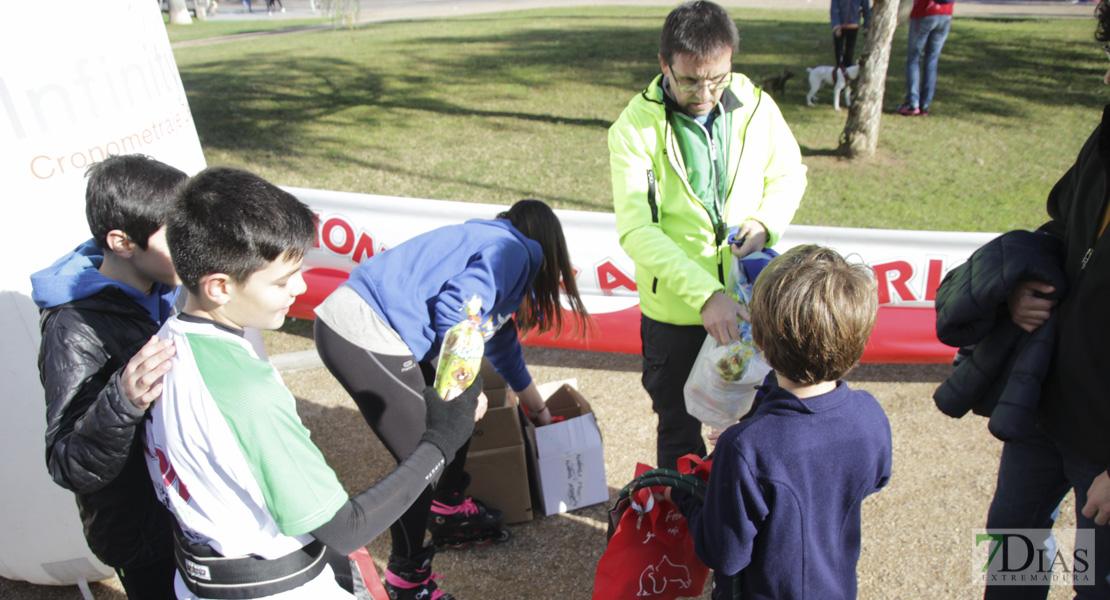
x: 825, y: 74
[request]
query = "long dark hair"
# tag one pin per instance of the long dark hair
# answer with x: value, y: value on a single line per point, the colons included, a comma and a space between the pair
x: 541, y: 311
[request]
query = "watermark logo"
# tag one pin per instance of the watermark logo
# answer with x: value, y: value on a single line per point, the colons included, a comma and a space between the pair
x: 1033, y: 557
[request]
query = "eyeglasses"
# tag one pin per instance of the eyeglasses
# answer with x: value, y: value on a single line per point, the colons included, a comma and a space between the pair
x: 1106, y: 49
x: 714, y: 85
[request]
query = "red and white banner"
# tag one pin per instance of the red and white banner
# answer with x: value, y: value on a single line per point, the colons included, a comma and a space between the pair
x: 909, y: 266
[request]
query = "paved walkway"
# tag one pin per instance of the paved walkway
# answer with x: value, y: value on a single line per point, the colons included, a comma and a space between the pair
x: 379, y: 11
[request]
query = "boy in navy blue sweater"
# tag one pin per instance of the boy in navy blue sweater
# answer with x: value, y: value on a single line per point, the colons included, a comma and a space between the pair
x: 782, y: 508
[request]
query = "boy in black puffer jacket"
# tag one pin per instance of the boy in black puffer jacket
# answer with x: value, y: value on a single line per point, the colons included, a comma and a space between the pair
x: 101, y: 368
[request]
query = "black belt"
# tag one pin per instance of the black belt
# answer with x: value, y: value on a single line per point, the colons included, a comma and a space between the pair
x: 209, y: 575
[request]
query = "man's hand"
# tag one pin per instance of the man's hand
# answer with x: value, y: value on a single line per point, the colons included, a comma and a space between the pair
x: 836, y: 30
x: 1027, y: 310
x: 1098, y: 500
x: 141, y: 379
x: 755, y: 238
x: 719, y: 316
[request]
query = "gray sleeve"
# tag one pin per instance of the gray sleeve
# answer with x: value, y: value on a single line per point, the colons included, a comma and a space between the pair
x: 371, y: 512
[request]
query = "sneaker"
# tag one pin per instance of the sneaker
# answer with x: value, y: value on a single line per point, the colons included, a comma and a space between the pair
x: 906, y: 109
x: 924, y: 111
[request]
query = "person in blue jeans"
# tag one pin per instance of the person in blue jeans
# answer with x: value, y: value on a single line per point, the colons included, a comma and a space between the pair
x: 930, y: 22
x: 1071, y: 450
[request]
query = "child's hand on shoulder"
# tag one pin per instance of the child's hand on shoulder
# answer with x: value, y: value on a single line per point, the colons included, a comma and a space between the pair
x: 141, y: 379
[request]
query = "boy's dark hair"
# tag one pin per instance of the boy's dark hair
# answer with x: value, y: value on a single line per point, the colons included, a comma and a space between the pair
x: 700, y: 28
x: 234, y: 222
x: 541, y: 310
x: 812, y: 312
x: 1102, y: 13
x: 132, y: 193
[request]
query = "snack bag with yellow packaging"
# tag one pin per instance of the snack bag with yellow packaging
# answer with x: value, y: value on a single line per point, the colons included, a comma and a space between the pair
x: 460, y: 356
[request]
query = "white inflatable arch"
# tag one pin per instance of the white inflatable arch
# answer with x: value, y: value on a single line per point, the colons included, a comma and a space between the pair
x: 80, y: 80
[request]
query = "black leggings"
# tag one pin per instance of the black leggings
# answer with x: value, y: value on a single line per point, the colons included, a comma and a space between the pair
x: 844, y: 45
x: 389, y: 393
x: 149, y: 582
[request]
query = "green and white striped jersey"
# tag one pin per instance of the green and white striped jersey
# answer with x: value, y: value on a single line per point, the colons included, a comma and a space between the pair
x: 228, y: 453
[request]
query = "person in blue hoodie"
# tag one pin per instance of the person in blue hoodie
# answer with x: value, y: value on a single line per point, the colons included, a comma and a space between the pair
x: 101, y: 366
x: 781, y: 515
x: 379, y: 332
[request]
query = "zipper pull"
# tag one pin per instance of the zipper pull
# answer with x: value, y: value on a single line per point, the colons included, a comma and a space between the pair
x: 1086, y: 257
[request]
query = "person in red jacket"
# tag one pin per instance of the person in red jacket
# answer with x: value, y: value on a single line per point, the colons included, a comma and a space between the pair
x: 930, y: 21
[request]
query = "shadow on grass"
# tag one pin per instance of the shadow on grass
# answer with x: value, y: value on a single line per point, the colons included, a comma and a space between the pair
x: 570, y: 76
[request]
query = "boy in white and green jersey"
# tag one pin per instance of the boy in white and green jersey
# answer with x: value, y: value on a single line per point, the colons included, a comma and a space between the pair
x: 256, y: 504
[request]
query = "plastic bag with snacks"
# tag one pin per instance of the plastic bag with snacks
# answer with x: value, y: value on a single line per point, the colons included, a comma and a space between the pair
x: 722, y: 384
x: 460, y: 356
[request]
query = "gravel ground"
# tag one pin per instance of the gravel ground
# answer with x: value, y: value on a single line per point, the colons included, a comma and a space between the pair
x: 917, y: 536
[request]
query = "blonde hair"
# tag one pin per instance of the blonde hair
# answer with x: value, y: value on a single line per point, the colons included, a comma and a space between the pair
x: 812, y: 313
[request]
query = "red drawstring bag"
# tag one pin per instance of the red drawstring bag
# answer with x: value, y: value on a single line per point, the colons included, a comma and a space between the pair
x: 650, y: 553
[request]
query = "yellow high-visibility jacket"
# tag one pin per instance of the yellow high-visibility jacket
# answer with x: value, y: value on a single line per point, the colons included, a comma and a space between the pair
x: 672, y: 234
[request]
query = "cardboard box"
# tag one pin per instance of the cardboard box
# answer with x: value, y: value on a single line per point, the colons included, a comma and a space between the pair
x: 570, y: 463
x: 496, y: 460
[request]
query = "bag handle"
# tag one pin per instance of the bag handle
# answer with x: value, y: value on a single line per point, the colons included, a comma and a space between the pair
x: 691, y: 484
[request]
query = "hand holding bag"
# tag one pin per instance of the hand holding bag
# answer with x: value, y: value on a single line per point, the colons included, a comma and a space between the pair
x: 722, y: 385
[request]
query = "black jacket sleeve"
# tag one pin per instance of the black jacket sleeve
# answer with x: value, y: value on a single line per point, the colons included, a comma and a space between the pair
x: 368, y: 514
x: 90, y: 423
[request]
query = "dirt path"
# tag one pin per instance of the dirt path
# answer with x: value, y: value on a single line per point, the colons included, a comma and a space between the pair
x: 917, y: 535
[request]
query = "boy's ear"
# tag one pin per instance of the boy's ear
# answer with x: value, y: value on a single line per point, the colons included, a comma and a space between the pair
x: 120, y: 243
x: 216, y: 288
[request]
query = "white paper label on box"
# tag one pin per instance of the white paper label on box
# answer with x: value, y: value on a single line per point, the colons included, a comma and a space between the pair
x: 571, y: 464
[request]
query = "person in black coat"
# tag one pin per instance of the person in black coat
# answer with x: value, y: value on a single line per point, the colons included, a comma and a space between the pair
x: 1072, y: 448
x: 101, y: 367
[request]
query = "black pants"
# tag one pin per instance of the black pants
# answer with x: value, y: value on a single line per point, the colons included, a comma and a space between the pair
x: 389, y: 393
x: 669, y: 353
x: 844, y: 45
x: 149, y: 582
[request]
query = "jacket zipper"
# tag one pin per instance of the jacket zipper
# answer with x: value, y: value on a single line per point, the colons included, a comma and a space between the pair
x: 654, y: 205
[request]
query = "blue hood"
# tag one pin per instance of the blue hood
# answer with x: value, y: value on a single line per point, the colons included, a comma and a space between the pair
x: 76, y: 276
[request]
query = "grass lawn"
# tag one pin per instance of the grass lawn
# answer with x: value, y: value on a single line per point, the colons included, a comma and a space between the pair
x: 494, y: 108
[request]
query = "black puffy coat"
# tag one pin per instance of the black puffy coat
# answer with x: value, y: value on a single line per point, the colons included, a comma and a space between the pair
x: 93, y: 432
x: 1002, y: 377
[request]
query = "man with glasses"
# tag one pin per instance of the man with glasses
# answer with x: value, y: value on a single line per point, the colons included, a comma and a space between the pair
x: 704, y: 167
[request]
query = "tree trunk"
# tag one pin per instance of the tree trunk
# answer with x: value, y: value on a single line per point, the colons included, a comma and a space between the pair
x: 179, y: 13
x: 202, y: 10
x: 861, y: 132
